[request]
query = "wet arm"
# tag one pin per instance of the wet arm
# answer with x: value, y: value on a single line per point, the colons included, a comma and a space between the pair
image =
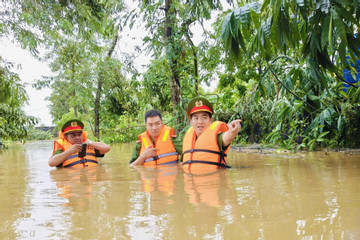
x: 234, y: 129
x: 101, y: 147
x: 135, y: 153
x: 147, y: 153
x: 138, y: 161
x: 57, y: 159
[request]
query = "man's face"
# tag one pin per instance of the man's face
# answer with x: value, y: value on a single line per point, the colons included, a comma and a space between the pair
x: 154, y: 126
x: 200, y: 121
x: 74, y: 137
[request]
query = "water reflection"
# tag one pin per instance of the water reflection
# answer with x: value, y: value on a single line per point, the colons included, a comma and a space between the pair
x: 14, y: 177
x: 75, y: 185
x: 263, y: 196
x: 209, y: 188
x: 158, y: 179
x: 297, y: 196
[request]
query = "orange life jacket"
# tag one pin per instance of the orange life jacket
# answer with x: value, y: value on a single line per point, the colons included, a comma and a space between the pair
x: 202, y: 155
x: 166, y: 154
x: 74, y: 161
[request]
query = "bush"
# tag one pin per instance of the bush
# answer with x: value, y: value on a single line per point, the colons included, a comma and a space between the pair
x: 36, y: 134
x: 351, y: 125
x: 258, y: 119
x: 122, y: 129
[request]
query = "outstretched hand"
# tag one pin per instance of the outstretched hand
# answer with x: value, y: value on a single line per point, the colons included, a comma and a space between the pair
x: 234, y: 129
x: 235, y: 126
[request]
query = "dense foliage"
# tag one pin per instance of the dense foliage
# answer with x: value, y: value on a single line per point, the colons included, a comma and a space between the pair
x: 299, y: 48
x: 279, y: 65
x: 34, y: 133
x: 12, y: 98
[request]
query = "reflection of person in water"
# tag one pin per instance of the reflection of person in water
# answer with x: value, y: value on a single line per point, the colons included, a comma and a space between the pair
x: 160, y: 179
x: 75, y: 184
x: 209, y: 188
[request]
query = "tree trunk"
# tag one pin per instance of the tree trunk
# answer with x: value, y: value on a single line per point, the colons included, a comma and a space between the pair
x: 196, y: 71
x: 97, y: 108
x: 99, y: 88
x: 174, y: 81
x: 74, y: 92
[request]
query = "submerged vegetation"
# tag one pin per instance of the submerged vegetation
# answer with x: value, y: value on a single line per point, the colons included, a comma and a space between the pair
x: 278, y: 65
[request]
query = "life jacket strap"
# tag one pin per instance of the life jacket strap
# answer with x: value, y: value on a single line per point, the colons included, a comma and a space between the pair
x: 221, y: 163
x: 224, y: 165
x: 75, y: 155
x: 222, y: 154
x: 161, y: 156
x: 80, y: 161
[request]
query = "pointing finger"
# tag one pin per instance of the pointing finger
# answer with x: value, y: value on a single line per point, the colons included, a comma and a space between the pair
x: 237, y: 121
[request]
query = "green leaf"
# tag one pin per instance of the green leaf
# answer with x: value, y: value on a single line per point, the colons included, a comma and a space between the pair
x: 284, y: 112
x: 262, y: 89
x: 325, y: 31
x: 234, y: 26
x: 257, y: 96
x: 256, y: 18
x: 225, y: 28
x: 325, y: 115
x: 265, y: 5
x: 345, y: 15
x: 342, y: 52
x: 343, y: 94
x: 323, y: 134
x: 340, y: 26
x: 330, y: 32
x: 298, y: 104
x: 340, y: 124
x: 313, y: 97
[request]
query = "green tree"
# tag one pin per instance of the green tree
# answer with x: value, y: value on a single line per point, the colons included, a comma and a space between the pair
x: 168, y: 23
x: 303, y: 47
x: 77, y: 35
x: 71, y: 86
x: 12, y: 98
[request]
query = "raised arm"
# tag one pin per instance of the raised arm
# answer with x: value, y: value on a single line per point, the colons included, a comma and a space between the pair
x: 234, y: 129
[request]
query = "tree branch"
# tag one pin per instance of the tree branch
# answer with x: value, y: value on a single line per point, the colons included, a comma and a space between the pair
x: 343, y: 80
x: 294, y: 94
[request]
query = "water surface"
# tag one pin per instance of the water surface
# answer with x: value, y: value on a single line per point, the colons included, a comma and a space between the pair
x: 263, y: 196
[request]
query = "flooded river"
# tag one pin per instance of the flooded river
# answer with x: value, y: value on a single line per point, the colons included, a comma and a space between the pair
x: 263, y: 196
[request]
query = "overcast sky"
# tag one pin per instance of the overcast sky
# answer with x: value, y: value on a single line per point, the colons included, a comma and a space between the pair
x: 30, y: 70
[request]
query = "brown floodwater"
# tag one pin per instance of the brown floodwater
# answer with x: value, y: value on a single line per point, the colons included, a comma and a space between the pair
x: 263, y: 196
